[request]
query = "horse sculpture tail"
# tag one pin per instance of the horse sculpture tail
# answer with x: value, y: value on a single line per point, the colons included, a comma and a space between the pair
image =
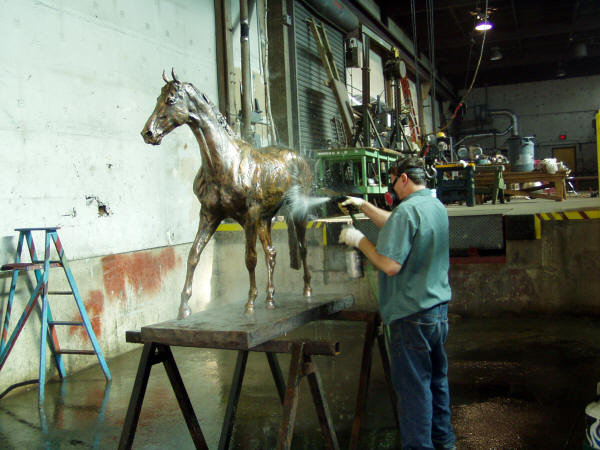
x: 298, y: 205
x: 295, y: 257
x: 296, y: 213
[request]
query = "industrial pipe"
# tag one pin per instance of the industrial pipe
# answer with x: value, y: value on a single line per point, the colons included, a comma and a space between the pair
x: 366, y: 90
x: 246, y: 76
x: 513, y: 118
x: 336, y: 12
x: 485, y: 134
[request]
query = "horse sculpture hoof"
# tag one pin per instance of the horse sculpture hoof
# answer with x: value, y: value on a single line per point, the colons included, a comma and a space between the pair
x: 307, y: 292
x: 249, y: 309
x: 270, y: 304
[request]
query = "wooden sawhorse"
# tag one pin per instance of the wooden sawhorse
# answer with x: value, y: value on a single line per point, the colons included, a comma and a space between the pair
x: 373, y: 332
x: 301, y: 365
x: 227, y: 328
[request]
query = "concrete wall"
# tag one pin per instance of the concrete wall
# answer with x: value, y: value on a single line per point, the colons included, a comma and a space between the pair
x: 327, y: 265
x: 121, y: 292
x: 557, y: 274
x: 78, y: 79
x: 545, y: 110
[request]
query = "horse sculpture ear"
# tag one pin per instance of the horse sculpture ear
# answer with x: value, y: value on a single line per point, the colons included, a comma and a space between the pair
x: 165, y: 77
x: 174, y: 75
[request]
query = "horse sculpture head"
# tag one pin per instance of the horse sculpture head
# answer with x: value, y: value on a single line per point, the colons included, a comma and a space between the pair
x: 178, y: 104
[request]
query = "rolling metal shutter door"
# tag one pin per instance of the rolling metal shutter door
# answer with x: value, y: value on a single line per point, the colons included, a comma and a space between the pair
x: 316, y: 103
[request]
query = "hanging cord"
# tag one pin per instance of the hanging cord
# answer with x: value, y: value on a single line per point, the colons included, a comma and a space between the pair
x: 460, y: 103
x: 416, y: 58
x: 465, y: 84
x: 431, y: 32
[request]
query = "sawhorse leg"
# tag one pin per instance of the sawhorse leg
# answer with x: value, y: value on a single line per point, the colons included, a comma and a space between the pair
x: 302, y: 365
x: 234, y: 396
x: 236, y: 388
x: 153, y: 354
x: 371, y: 334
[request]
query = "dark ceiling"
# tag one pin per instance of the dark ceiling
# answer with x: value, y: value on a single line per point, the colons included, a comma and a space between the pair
x: 534, y: 38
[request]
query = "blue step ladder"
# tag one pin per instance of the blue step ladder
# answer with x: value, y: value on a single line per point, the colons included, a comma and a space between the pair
x: 41, y: 269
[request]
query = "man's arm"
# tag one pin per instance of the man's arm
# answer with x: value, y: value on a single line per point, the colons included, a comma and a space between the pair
x: 383, y: 263
x: 377, y: 215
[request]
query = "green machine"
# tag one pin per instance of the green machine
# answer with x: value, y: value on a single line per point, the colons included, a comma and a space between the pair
x: 355, y: 170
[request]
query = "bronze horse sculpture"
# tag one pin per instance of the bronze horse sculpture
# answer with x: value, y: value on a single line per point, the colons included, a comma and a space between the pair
x: 234, y: 181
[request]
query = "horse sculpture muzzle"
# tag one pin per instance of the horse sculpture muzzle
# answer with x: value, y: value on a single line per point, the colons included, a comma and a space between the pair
x: 150, y: 136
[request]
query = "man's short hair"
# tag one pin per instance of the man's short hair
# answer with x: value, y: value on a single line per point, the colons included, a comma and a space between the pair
x: 413, y: 167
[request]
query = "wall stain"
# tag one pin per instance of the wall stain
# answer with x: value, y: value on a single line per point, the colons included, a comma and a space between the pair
x: 141, y: 270
x: 94, y: 305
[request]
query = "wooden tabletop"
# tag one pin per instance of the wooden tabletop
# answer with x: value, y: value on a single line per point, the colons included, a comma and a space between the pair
x: 521, y: 177
x: 229, y: 327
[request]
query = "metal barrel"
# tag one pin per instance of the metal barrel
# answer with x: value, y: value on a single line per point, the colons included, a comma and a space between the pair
x: 521, y: 153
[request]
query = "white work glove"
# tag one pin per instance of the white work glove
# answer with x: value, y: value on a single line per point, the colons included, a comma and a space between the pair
x: 354, y: 202
x: 350, y: 236
x: 357, y: 202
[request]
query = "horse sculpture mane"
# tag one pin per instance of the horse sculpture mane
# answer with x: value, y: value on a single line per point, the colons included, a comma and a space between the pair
x: 219, y: 118
x: 235, y: 181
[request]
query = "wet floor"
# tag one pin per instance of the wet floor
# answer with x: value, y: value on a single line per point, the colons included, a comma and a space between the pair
x: 516, y: 383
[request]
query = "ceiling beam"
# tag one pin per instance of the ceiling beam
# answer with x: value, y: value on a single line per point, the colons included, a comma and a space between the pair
x: 532, y: 59
x: 458, y: 24
x: 400, y: 9
x: 537, y: 31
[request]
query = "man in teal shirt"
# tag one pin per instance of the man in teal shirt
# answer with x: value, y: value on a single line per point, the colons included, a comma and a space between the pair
x: 412, y: 255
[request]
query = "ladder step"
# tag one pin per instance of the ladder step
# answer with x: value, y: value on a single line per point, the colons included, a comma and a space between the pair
x: 61, y: 322
x: 76, y: 352
x: 29, y: 266
x: 60, y: 292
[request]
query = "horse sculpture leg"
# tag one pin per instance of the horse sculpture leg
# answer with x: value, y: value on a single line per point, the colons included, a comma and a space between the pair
x: 206, y: 228
x: 250, y: 227
x: 264, y: 233
x: 301, y: 233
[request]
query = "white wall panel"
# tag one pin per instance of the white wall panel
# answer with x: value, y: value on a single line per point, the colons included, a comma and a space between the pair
x: 78, y: 80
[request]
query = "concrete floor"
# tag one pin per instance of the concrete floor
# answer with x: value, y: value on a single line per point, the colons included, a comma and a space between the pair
x: 516, y: 383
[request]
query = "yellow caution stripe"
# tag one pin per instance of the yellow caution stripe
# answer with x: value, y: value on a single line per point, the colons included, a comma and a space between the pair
x: 276, y: 226
x: 570, y: 215
x: 538, y: 227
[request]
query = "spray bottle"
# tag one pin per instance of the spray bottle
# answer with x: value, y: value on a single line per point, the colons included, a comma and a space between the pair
x: 354, y: 266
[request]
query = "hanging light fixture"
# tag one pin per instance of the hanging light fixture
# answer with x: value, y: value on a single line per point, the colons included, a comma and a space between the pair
x: 495, y: 54
x: 483, y: 23
x: 482, y: 17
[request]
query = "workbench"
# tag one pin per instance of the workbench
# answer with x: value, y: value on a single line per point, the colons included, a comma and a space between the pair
x: 556, y: 180
x: 368, y: 165
x: 230, y: 328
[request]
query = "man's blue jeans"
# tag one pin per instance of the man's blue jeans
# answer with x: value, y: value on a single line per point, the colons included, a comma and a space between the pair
x: 420, y: 374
